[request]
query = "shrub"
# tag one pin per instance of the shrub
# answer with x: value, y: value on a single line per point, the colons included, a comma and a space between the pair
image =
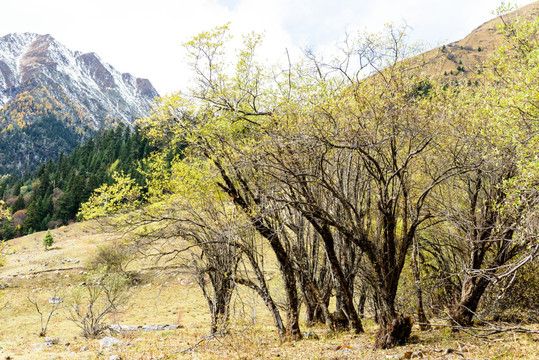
x: 114, y: 256
x: 101, y: 294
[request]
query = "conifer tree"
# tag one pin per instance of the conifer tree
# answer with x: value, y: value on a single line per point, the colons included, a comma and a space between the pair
x: 48, y: 240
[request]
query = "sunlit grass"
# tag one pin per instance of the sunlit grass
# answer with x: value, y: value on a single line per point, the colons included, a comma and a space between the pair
x: 161, y: 299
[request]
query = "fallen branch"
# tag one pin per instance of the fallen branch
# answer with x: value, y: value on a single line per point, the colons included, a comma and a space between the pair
x: 193, y: 347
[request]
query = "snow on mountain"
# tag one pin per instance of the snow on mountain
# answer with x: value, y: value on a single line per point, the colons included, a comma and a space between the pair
x: 30, y: 61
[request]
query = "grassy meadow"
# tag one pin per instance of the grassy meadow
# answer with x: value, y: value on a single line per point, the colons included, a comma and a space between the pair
x: 167, y: 295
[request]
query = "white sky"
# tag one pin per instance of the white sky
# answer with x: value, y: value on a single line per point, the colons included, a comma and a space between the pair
x: 144, y: 37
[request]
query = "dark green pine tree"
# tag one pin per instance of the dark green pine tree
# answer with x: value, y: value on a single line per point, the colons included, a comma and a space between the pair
x: 18, y: 205
x: 33, y: 217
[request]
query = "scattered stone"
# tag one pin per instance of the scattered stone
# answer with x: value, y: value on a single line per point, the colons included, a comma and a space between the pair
x: 186, y: 282
x: 120, y: 328
x: 82, y: 283
x: 84, y: 348
x: 310, y: 335
x: 108, y: 342
x: 129, y: 328
x: 55, y: 300
x: 52, y: 340
x: 115, y: 357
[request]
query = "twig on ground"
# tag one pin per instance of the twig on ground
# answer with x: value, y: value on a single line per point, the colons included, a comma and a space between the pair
x: 194, y: 346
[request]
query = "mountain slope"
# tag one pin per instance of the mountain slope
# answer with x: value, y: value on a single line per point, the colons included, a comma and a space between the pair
x: 31, y: 61
x: 457, y: 60
x: 42, y: 79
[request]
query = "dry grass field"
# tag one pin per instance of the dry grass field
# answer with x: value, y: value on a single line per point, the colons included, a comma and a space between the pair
x: 163, y: 298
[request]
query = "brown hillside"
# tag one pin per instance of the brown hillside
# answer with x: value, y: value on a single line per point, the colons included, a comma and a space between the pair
x: 471, y: 51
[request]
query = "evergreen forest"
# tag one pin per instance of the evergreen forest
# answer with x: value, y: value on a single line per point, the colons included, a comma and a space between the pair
x: 52, y: 194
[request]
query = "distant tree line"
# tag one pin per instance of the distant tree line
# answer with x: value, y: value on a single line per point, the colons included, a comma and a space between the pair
x: 52, y: 195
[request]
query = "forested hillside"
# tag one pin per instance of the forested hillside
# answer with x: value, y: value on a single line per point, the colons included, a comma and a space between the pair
x: 24, y: 149
x: 52, y: 97
x: 52, y: 195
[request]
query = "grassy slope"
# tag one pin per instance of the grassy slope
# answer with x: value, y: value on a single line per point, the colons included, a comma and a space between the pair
x: 440, y: 62
x: 161, y: 299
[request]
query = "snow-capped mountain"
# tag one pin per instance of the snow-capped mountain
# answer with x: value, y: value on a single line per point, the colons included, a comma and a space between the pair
x: 51, y: 98
x: 42, y: 67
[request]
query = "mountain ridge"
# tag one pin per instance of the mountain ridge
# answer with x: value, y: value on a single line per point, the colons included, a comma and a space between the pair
x: 79, y: 93
x: 30, y: 60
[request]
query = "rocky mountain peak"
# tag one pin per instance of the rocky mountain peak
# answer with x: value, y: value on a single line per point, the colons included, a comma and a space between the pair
x: 30, y: 62
x: 51, y: 97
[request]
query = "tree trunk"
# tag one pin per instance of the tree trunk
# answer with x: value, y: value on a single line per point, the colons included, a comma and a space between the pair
x: 394, y: 329
x: 292, y: 312
x: 344, y: 286
x: 362, y: 301
x: 472, y: 290
x: 315, y: 303
x: 424, y: 323
x: 264, y: 228
x: 219, y: 302
x: 263, y: 292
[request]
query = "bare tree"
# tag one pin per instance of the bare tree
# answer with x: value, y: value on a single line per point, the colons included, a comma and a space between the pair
x: 55, y: 304
x: 101, y: 294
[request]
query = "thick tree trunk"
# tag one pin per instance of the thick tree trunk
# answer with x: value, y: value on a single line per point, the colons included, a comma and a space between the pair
x: 472, y: 290
x: 219, y: 303
x: 315, y: 303
x: 293, y: 331
x: 395, y: 329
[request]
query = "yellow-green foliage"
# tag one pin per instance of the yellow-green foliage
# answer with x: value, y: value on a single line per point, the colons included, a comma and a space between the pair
x: 4, y: 212
x: 123, y: 195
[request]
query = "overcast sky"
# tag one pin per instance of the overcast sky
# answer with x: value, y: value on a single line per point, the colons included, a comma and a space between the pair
x: 144, y: 37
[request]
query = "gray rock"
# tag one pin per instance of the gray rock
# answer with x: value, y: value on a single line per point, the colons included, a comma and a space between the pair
x: 120, y: 328
x: 108, y: 342
x: 159, y: 327
x: 52, y: 341
x: 84, y: 348
x: 115, y: 357
x: 310, y: 335
x: 55, y: 300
